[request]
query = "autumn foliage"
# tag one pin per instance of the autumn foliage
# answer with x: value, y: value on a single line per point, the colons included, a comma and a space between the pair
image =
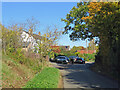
x: 101, y: 20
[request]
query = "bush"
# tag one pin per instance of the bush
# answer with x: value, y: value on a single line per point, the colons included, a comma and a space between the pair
x: 87, y: 57
x: 31, y: 63
x: 68, y: 53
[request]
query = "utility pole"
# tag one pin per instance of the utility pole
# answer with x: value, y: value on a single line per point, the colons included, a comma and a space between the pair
x: 93, y: 45
x: 86, y: 47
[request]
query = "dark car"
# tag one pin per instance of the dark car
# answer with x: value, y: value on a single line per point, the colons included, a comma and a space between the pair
x: 62, y: 59
x: 61, y: 55
x: 79, y: 60
x: 52, y: 59
x: 73, y: 58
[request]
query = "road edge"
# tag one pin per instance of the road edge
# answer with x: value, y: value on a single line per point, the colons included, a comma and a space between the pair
x: 61, y: 82
x: 98, y: 71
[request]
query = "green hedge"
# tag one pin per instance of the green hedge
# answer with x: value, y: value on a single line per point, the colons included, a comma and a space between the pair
x: 47, y: 78
x: 88, y: 57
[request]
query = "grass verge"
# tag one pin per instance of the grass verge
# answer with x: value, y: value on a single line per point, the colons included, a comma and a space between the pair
x: 47, y: 78
x: 14, y: 75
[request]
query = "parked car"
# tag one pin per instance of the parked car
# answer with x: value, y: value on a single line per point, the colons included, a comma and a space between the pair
x: 62, y: 59
x: 52, y: 59
x: 61, y: 55
x: 79, y: 60
x: 73, y: 58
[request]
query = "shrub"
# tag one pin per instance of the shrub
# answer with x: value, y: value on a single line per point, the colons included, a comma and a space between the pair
x: 87, y: 57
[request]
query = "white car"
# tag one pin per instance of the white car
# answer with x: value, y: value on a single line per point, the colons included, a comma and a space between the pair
x: 62, y: 59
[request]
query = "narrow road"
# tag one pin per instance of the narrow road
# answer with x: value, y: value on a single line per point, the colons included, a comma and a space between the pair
x: 79, y: 76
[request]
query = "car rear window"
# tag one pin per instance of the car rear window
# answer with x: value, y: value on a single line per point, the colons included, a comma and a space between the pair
x: 72, y: 57
x: 79, y: 58
x: 61, y: 57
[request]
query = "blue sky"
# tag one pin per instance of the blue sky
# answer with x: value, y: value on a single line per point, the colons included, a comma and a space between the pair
x: 48, y: 13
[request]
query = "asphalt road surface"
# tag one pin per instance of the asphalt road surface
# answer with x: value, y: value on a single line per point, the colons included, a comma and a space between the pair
x: 79, y: 76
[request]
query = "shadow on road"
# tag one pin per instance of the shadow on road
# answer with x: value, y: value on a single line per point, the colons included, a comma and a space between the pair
x: 79, y: 76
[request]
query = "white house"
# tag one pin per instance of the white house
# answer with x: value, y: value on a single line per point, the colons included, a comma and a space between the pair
x: 29, y: 41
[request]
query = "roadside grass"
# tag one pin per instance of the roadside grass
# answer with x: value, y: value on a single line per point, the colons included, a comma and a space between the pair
x: 47, y: 78
x: 31, y: 63
x: 14, y: 74
x: 17, y: 75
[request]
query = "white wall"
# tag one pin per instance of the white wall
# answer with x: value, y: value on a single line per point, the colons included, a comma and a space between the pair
x: 27, y: 38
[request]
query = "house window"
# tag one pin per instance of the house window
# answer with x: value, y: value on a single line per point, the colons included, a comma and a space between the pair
x: 24, y: 46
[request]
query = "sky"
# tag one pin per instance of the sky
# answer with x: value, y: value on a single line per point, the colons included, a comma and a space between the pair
x: 48, y: 13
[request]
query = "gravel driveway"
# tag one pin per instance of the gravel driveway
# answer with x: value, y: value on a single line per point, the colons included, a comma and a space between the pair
x: 79, y: 76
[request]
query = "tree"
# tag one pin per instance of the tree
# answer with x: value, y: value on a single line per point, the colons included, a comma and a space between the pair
x: 92, y: 19
x: 31, y: 25
x: 48, y: 39
x: 74, y: 49
x: 91, y: 45
x: 97, y: 19
x: 10, y: 38
x: 75, y: 24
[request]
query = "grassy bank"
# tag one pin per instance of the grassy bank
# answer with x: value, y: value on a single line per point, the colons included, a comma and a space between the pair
x: 17, y: 75
x: 14, y: 74
x: 48, y: 78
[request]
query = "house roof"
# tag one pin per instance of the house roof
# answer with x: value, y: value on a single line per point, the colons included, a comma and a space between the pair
x: 60, y: 46
x: 54, y: 46
x: 37, y: 36
x: 86, y: 51
x: 34, y: 35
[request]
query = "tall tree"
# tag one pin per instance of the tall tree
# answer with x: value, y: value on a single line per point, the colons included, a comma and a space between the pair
x: 91, y: 45
x: 97, y: 19
x: 10, y: 38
